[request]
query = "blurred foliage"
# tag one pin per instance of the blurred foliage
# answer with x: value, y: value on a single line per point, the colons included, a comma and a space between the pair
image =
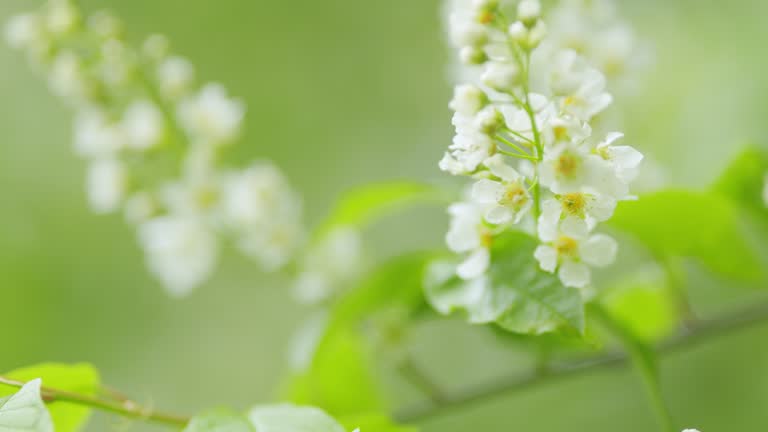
x: 359, y: 87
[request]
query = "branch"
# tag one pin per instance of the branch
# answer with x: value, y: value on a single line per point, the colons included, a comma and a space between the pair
x: 693, y: 335
x: 126, y: 408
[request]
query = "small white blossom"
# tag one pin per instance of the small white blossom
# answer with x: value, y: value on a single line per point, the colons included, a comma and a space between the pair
x: 574, y: 213
x: 572, y: 256
x: 508, y: 198
x: 625, y: 159
x: 500, y: 76
x: 66, y: 78
x: 467, y: 99
x: 262, y: 209
x: 143, y: 125
x: 24, y: 31
x: 96, y: 136
x: 211, y: 116
x: 180, y: 251
x: 62, y: 17
x: 175, y: 75
x: 468, y: 235
x: 528, y: 10
x: 329, y: 265
x: 106, y: 184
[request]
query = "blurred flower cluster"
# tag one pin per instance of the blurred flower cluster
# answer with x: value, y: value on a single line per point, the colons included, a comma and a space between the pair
x: 152, y: 137
x: 524, y: 119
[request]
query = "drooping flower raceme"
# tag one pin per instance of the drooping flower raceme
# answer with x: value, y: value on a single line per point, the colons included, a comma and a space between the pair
x: 151, y: 137
x: 524, y: 117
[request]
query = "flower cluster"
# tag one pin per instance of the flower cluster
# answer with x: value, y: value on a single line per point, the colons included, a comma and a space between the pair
x: 152, y: 138
x: 524, y: 135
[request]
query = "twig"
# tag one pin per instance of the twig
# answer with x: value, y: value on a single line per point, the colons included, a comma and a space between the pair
x: 419, y: 379
x: 125, y: 408
x: 700, y: 332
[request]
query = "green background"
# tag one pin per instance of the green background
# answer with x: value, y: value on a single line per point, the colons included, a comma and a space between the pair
x: 340, y: 93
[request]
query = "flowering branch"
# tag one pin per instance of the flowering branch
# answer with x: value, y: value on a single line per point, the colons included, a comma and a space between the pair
x: 694, y: 334
x: 125, y: 407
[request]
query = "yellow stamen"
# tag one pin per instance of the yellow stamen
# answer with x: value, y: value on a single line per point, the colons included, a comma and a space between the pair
x: 575, y: 203
x: 567, y: 246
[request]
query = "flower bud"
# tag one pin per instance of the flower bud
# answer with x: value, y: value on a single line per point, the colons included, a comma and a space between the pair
x: 468, y: 99
x: 489, y: 120
x: 528, y: 11
x: 472, y: 56
x: 518, y: 32
x: 62, y: 17
x: 469, y: 34
x: 538, y: 33
x: 500, y: 76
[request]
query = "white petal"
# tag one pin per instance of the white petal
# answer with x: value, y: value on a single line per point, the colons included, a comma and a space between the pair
x: 602, y: 208
x: 487, y: 191
x: 547, y: 258
x: 499, y: 215
x: 611, y: 138
x: 626, y: 156
x: 500, y: 169
x: 573, y: 274
x: 574, y: 226
x: 599, y: 250
x: 475, y: 265
x: 549, y: 220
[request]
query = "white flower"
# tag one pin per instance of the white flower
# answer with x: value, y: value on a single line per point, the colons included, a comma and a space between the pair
x: 467, y: 99
x: 143, y: 125
x: 211, y: 116
x: 106, y: 184
x: 263, y: 211
x: 625, y: 159
x: 528, y: 10
x: 156, y: 47
x: 519, y: 121
x: 140, y: 207
x: 95, y: 135
x: 582, y: 88
x: 574, y: 213
x: 572, y: 256
x: 571, y: 168
x: 467, y: 234
x: 62, y: 17
x: 23, y: 31
x: 175, y: 75
x: 66, y: 78
x: 467, y: 152
x: 508, y: 198
x: 500, y: 76
x: 104, y: 25
x: 335, y: 261
x: 180, y: 251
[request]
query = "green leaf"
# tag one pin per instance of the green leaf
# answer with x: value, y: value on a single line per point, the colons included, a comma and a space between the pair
x: 374, y: 423
x: 743, y: 180
x: 691, y: 224
x: 219, y: 421
x: 363, y: 205
x: 25, y: 411
x: 645, y: 306
x: 78, y: 378
x: 340, y: 377
x: 292, y: 418
x: 644, y: 360
x: 515, y: 293
x: 395, y: 284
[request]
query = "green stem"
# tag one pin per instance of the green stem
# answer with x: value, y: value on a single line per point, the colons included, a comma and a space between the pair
x: 124, y: 408
x: 643, y: 359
